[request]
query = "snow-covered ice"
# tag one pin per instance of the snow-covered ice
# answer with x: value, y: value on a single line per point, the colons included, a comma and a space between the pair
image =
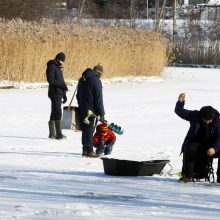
x: 48, y: 179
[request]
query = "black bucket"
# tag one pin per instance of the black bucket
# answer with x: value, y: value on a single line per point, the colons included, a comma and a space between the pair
x: 117, y: 167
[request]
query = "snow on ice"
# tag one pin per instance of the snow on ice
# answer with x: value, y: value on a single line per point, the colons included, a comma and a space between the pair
x: 48, y: 179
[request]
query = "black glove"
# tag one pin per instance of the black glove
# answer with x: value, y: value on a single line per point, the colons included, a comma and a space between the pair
x: 110, y: 143
x: 102, y: 118
x: 64, y: 99
x: 101, y: 143
x: 65, y: 87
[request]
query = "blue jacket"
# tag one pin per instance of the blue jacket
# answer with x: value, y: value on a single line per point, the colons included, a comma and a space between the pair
x: 57, y: 85
x: 89, y: 93
x: 195, y: 119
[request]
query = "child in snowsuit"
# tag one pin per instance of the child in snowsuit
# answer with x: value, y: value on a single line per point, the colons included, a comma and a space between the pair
x: 103, y: 139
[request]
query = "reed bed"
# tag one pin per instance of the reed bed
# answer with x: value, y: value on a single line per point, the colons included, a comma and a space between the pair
x: 25, y: 48
x: 198, y: 52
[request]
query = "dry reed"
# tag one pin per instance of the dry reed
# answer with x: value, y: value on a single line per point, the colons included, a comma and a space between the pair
x: 27, y: 46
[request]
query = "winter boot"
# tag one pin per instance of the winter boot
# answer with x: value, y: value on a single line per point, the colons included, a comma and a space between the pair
x: 218, y: 171
x: 92, y: 155
x: 52, y: 130
x: 100, y: 150
x: 185, y: 179
x: 59, y: 135
x: 84, y: 152
x: 108, y: 150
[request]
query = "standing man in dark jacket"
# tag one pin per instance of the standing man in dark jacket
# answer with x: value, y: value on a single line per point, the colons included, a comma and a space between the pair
x: 90, y: 98
x: 203, y: 137
x: 57, y: 94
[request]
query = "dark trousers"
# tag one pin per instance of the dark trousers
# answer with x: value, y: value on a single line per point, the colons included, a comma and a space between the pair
x: 218, y: 169
x: 191, y: 153
x: 56, y: 111
x: 87, y: 136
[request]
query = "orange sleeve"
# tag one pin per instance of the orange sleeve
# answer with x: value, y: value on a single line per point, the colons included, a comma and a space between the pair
x: 112, y: 135
x: 95, y: 139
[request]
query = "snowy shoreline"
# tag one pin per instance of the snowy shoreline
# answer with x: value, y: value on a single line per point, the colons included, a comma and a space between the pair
x: 5, y: 84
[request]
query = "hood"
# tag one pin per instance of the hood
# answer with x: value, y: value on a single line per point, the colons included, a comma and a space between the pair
x: 208, y: 112
x: 217, y: 114
x: 52, y: 62
x: 88, y: 73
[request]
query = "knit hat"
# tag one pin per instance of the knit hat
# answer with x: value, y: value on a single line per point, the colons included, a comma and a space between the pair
x: 60, y: 56
x: 98, y: 68
x: 103, y: 128
x: 208, y: 112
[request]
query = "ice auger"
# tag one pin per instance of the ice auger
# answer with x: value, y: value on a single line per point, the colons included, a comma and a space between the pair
x: 114, y: 127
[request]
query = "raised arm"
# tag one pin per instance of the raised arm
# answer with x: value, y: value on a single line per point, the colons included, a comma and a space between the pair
x: 185, y: 114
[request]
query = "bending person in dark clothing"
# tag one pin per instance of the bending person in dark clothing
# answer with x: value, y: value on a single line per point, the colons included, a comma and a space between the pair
x: 203, y: 137
x: 90, y: 98
x: 57, y: 94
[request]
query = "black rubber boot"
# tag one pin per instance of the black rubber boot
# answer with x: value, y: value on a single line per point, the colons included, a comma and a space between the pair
x: 218, y: 171
x: 59, y: 135
x: 52, y: 131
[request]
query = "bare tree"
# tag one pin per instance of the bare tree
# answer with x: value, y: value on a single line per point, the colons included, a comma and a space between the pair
x: 174, y: 20
x: 131, y: 12
x: 160, y: 16
x: 25, y: 9
x: 80, y: 9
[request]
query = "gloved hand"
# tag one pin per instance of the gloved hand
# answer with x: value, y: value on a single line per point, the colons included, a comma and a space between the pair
x: 101, y: 143
x: 65, y: 87
x: 64, y: 99
x: 102, y: 117
x: 111, y: 143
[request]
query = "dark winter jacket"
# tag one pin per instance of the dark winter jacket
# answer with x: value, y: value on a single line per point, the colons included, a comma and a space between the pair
x: 89, y: 93
x: 195, y: 119
x: 57, y: 85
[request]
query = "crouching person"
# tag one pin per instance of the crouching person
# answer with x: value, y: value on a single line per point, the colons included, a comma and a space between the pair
x: 202, y: 139
x: 103, y: 139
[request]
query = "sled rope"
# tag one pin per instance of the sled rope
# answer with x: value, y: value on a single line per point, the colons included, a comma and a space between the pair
x: 210, y: 174
x: 168, y: 173
x: 72, y: 97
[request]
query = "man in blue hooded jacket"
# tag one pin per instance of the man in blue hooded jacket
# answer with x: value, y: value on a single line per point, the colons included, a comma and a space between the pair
x: 90, y: 98
x: 203, y: 137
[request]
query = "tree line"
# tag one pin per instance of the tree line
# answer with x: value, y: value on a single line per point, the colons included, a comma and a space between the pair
x: 107, y: 9
x: 25, y: 9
